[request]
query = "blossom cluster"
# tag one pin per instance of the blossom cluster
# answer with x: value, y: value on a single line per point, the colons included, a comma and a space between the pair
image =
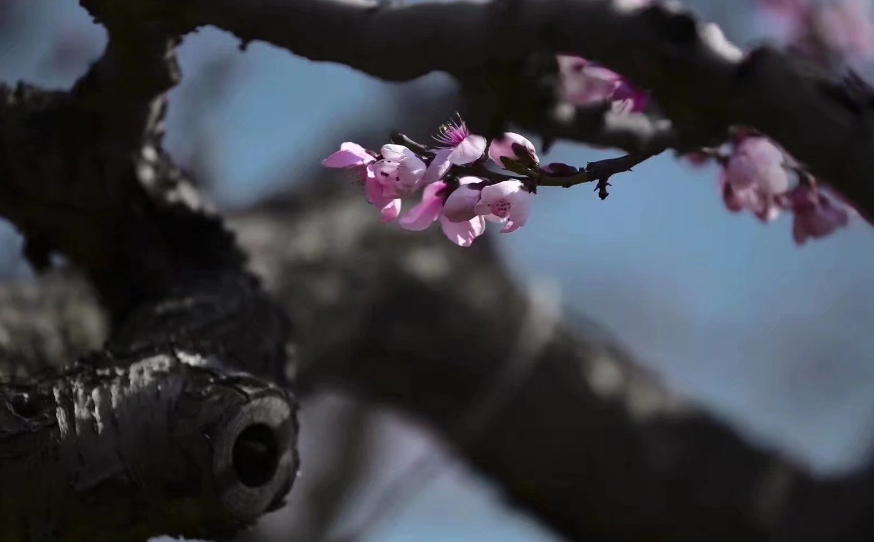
x: 759, y: 177
x: 464, y: 181
x: 458, y: 191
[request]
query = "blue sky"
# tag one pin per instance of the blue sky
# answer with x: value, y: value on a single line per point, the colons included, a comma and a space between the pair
x: 772, y: 337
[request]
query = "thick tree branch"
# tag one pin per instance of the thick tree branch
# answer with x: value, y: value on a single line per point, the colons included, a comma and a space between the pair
x: 155, y: 443
x: 703, y: 82
x: 597, y: 448
x: 151, y: 435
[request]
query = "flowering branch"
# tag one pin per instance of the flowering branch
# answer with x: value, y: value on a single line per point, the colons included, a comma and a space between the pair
x: 702, y: 82
x: 461, y: 190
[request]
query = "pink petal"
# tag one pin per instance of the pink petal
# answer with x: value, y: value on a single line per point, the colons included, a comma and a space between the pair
x: 590, y: 84
x: 425, y: 213
x: 391, y: 210
x: 400, y: 176
x: 461, y: 204
x: 463, y: 233
x: 390, y: 207
x: 503, y: 189
x: 438, y: 166
x: 521, y: 208
x: 469, y: 150
x: 411, y: 171
x: 349, y: 155
x: 394, y: 152
x: 757, y: 160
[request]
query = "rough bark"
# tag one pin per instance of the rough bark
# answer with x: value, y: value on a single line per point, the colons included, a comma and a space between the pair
x: 158, y: 431
x: 151, y: 444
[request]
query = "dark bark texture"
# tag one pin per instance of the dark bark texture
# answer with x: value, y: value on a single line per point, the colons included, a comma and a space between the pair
x: 157, y: 430
x: 145, y: 391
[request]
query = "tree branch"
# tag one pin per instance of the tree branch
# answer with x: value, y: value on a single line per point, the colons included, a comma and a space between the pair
x: 703, y: 82
x: 158, y: 432
x: 150, y: 444
x: 597, y: 448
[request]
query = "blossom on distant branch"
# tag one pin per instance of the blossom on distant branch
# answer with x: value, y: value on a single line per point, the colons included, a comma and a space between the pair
x: 584, y: 82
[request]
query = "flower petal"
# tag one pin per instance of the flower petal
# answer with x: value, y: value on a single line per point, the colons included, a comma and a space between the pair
x: 469, y: 150
x: 349, y: 155
x: 390, y: 207
x: 519, y: 211
x: 500, y: 190
x: 394, y: 152
x: 425, y: 213
x: 391, y: 210
x: 461, y: 204
x: 463, y: 233
x: 438, y: 167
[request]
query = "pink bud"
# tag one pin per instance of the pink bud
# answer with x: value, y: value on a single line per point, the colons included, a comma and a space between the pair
x: 514, y: 147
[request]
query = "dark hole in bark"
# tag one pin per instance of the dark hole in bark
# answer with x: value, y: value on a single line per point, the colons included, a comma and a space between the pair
x: 256, y: 456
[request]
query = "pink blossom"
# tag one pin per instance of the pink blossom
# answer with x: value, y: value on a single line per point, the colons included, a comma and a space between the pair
x: 816, y: 214
x: 583, y: 82
x: 424, y: 214
x: 400, y: 171
x: 753, y: 177
x: 846, y: 27
x: 513, y: 147
x: 461, y: 204
x: 361, y: 162
x: 458, y: 147
x: 506, y: 201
